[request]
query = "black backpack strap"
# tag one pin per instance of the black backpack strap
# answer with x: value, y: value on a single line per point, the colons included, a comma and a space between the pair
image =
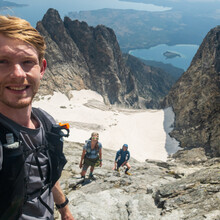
x: 12, y: 190
x: 50, y: 124
x: 45, y: 118
x: 88, y: 146
x: 54, y: 138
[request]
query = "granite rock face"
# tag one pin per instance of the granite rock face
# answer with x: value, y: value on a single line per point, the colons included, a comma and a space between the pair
x: 195, y: 98
x: 66, y: 67
x: 108, y: 73
x: 84, y: 57
x: 152, y: 82
x: 172, y: 190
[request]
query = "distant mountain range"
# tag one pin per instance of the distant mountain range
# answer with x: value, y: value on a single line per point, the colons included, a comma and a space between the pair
x: 187, y: 23
x: 4, y: 4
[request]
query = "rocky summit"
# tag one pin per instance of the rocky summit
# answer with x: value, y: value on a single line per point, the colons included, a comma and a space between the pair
x: 84, y: 57
x: 195, y: 99
x: 179, y: 189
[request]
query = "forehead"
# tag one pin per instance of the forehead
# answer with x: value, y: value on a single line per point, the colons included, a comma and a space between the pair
x: 10, y: 46
x: 95, y: 134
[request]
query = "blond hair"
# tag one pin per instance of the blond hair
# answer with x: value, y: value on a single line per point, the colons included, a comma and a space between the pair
x: 95, y: 134
x: 21, y: 29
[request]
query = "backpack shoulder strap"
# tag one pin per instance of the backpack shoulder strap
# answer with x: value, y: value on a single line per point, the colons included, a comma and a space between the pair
x: 45, y: 118
x: 3, y: 133
x: 54, y: 138
x: 12, y: 188
x: 50, y: 124
x: 6, y: 128
x: 88, y: 146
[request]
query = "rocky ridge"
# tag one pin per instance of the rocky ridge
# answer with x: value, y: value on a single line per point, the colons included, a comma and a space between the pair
x: 84, y: 57
x: 195, y: 98
x: 184, y: 188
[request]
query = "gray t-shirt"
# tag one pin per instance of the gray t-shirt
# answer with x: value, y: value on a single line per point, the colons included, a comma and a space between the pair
x: 33, y: 209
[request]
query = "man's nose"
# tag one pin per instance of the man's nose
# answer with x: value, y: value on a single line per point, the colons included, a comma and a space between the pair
x: 17, y: 71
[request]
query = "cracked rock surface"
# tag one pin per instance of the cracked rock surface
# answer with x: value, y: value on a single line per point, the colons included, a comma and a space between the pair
x: 156, y: 190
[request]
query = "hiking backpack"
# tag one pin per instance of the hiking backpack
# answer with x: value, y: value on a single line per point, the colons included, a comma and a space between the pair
x: 13, y: 191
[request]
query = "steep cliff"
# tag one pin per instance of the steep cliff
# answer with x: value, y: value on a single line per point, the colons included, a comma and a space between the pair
x: 109, y: 75
x: 84, y: 57
x: 66, y: 66
x: 152, y: 83
x: 195, y: 98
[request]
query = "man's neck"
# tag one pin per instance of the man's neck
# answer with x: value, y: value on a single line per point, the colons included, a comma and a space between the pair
x: 20, y: 116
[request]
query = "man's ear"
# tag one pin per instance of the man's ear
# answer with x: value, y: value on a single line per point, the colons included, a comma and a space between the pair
x: 43, y: 68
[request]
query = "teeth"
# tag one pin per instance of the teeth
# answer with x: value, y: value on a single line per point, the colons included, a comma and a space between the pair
x: 18, y: 88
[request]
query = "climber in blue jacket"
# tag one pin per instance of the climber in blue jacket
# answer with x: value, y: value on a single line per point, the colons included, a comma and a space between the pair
x: 121, y: 159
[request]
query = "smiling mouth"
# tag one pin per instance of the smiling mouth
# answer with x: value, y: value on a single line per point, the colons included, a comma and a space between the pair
x: 18, y: 88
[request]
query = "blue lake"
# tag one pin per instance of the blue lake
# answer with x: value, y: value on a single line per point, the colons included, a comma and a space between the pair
x: 35, y: 10
x: 185, y: 51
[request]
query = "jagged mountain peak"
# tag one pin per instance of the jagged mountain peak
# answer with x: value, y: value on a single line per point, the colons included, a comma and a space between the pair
x: 53, y: 16
x: 209, y: 52
x: 83, y: 57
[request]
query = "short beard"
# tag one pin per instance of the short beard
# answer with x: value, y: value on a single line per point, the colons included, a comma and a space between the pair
x: 19, y: 105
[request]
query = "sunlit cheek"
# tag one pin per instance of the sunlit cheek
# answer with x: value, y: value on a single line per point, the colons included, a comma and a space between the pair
x: 5, y: 70
x: 36, y: 87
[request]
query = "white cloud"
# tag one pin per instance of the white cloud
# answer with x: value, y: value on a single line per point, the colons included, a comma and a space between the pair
x: 156, y: 29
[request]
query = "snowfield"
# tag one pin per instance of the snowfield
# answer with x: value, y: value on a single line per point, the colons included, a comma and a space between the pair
x: 145, y: 131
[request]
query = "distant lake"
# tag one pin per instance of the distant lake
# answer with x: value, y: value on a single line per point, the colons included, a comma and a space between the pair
x: 185, y: 54
x: 35, y: 10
